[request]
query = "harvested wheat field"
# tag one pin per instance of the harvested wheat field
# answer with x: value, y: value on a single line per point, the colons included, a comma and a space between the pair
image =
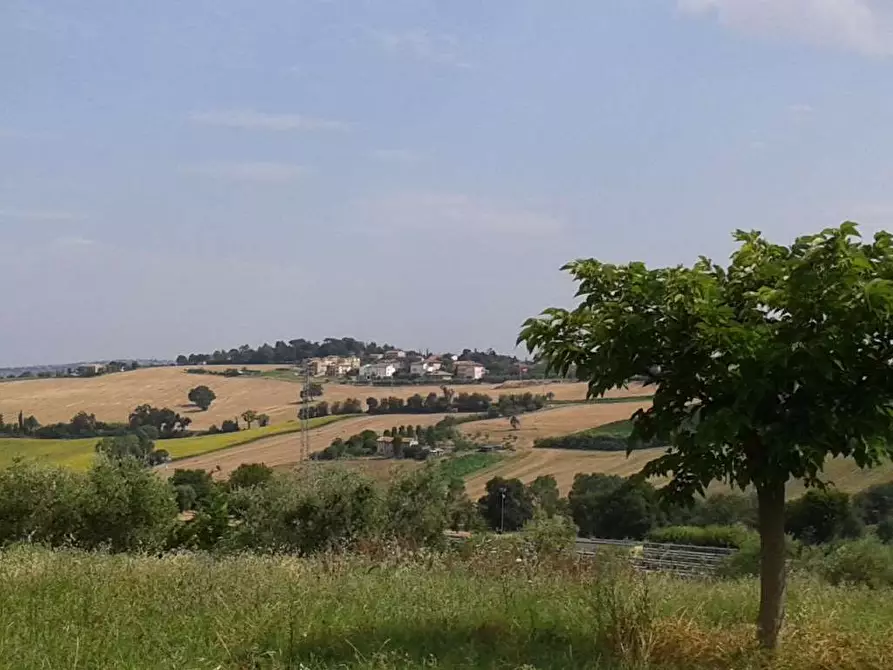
x: 530, y: 463
x: 283, y: 450
x: 112, y: 397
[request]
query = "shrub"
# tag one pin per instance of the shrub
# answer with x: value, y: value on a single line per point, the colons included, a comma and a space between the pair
x: 39, y: 504
x: 611, y: 507
x: 416, y: 508
x: 229, y: 426
x: 705, y: 536
x: 186, y: 497
x: 875, y: 504
x: 306, y: 512
x: 822, y: 516
x: 865, y: 562
x: 199, y: 480
x: 249, y: 475
x: 549, y: 535
x: 885, y: 530
x: 125, y: 508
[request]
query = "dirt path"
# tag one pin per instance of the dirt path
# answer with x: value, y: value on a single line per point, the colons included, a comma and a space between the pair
x: 283, y: 450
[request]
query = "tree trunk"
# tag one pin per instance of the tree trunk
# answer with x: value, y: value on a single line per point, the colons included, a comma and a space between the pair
x: 773, y: 579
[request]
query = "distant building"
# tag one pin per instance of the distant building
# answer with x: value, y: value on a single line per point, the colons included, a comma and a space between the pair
x: 395, y: 353
x: 92, y: 370
x: 425, y: 367
x: 385, y: 446
x: 470, y: 370
x: 380, y: 370
x: 332, y: 366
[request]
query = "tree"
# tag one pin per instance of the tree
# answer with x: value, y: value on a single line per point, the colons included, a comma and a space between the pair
x: 248, y: 475
x: 546, y: 495
x: 199, y: 480
x: 263, y: 420
x: 372, y: 405
x: 202, y: 397
x: 822, y: 516
x: 249, y: 416
x: 515, y: 422
x: 123, y: 447
x: 761, y: 370
x: 311, y: 391
x: 508, y: 504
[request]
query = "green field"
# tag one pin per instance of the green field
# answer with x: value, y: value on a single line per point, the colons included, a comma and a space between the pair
x: 460, y: 467
x: 76, y: 610
x: 79, y: 454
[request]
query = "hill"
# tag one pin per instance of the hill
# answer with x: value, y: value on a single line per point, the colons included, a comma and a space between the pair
x: 113, y: 397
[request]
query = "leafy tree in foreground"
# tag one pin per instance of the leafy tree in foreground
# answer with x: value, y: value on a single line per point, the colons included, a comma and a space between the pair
x: 202, y: 397
x: 249, y: 475
x: 762, y: 369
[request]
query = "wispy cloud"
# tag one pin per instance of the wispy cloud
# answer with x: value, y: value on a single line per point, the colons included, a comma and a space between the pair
x: 253, y: 120
x: 422, y: 45
x: 864, y: 26
x: 257, y: 171
x: 35, y: 215
x: 396, y: 155
x: 454, y: 214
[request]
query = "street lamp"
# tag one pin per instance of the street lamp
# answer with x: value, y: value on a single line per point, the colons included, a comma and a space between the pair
x: 502, y: 493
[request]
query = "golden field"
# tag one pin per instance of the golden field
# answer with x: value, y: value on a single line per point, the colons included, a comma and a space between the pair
x: 113, y: 397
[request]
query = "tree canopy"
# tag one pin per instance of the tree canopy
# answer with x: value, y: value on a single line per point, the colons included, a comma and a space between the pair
x: 762, y: 369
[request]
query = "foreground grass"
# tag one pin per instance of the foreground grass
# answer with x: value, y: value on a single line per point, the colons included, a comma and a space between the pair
x: 66, y: 610
x: 80, y: 454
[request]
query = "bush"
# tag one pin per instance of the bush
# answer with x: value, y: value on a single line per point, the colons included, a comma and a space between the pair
x: 417, y: 507
x: 318, y: 510
x: 705, y: 536
x: 822, y: 516
x: 549, y: 535
x: 885, y: 531
x: 229, y: 426
x: 875, y: 504
x: 866, y: 562
x: 125, y: 507
x: 186, y: 497
x: 249, y: 475
x: 611, y: 507
x: 39, y: 504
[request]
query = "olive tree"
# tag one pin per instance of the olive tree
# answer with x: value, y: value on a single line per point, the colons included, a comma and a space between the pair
x: 761, y: 370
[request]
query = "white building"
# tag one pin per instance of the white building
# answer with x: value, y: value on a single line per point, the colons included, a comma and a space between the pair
x: 425, y: 367
x: 470, y: 370
x: 381, y: 370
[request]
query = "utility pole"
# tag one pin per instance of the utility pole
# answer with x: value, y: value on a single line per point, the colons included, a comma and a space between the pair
x: 502, y: 512
x: 305, y: 417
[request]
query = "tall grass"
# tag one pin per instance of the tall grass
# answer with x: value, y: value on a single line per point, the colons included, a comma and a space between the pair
x: 399, y: 610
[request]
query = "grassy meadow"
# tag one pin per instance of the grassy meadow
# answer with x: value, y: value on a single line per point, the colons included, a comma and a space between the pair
x: 79, y: 454
x: 78, y: 610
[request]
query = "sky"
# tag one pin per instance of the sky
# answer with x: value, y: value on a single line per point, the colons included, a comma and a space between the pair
x: 185, y: 176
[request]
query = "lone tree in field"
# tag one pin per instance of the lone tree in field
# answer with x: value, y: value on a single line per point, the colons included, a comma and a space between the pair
x: 249, y: 416
x: 202, y: 397
x: 763, y: 369
x: 515, y: 422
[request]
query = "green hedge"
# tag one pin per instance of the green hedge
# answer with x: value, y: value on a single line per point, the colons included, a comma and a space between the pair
x: 610, y: 437
x: 704, y: 536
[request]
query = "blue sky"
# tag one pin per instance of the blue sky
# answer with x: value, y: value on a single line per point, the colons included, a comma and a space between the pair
x: 181, y: 176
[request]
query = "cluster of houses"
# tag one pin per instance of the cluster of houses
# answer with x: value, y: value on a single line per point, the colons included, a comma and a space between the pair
x: 429, y: 368
x: 388, y: 364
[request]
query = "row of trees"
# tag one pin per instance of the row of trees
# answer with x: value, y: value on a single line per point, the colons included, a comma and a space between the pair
x: 120, y: 506
x: 611, y: 507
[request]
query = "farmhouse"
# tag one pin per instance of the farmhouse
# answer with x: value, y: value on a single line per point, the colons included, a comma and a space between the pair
x: 470, y: 370
x: 386, y: 446
x: 332, y: 366
x: 380, y: 370
x: 425, y: 367
x: 91, y: 370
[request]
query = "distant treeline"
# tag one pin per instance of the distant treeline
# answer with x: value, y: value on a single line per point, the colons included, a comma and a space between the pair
x: 167, y: 424
x: 479, y: 403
